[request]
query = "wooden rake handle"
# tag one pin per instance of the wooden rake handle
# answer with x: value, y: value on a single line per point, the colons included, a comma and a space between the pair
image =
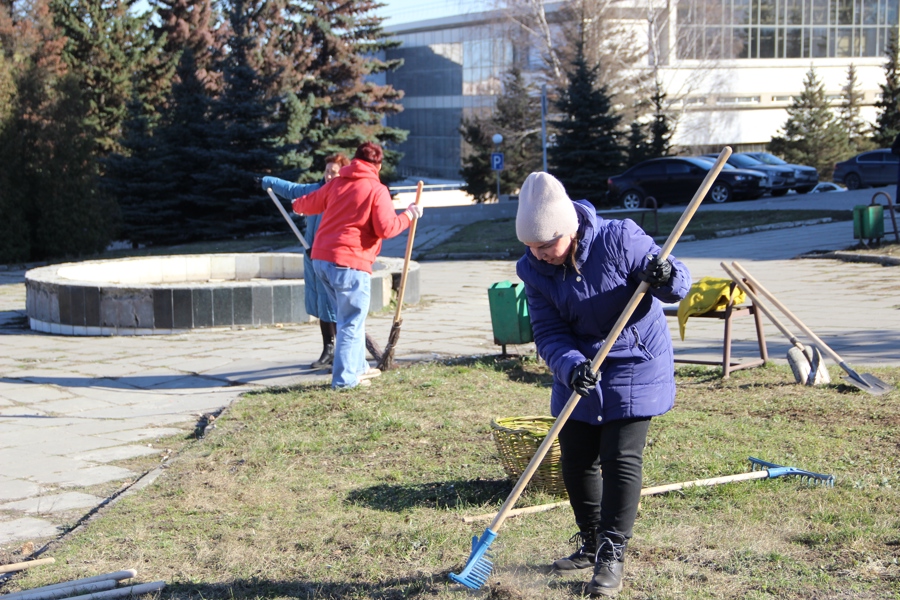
x: 650, y: 491
x: 806, y: 330
x: 605, y: 347
x: 741, y: 283
x: 409, y: 247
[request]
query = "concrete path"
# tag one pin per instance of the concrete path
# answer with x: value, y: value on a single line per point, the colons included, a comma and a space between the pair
x: 72, y: 408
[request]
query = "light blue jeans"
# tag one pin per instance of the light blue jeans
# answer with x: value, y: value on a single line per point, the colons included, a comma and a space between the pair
x: 349, y: 291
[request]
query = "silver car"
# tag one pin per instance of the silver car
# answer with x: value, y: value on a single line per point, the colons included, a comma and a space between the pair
x: 805, y: 177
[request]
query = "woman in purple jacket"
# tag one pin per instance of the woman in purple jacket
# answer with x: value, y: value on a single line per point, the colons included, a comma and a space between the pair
x: 579, y: 273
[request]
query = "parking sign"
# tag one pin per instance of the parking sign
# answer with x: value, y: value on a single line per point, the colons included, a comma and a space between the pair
x: 496, y: 161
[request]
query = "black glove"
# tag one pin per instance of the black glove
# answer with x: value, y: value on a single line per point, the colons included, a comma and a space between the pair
x: 658, y: 272
x: 584, y: 379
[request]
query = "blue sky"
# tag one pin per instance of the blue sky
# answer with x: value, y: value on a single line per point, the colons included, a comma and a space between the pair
x: 404, y: 11
x: 396, y: 12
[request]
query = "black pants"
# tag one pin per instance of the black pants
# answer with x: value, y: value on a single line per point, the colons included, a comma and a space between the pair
x: 602, y: 467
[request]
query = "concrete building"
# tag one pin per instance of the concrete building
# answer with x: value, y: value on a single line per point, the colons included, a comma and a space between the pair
x: 730, y: 67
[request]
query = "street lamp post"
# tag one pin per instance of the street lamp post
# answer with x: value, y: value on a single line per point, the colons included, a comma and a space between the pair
x: 497, y: 139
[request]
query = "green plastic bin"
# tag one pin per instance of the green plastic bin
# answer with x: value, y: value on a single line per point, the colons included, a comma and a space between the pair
x: 509, y: 314
x: 868, y: 221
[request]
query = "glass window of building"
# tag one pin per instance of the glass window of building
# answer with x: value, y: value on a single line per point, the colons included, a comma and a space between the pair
x: 714, y: 29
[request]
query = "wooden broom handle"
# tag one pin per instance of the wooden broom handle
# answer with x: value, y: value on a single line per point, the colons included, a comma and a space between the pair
x: 409, y: 247
x: 638, y: 295
x: 762, y: 290
x: 759, y: 304
x: 19, y: 566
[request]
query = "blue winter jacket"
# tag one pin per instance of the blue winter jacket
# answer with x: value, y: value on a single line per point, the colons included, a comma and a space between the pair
x: 572, y: 313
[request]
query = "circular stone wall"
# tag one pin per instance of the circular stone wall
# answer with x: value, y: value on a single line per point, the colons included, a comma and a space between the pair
x: 168, y: 294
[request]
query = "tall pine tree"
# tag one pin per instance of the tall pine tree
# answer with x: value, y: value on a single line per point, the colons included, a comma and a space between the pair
x: 887, y: 124
x: 241, y: 137
x: 855, y: 128
x: 588, y: 148
x: 812, y: 134
x: 192, y: 25
x: 343, y: 40
x: 516, y: 116
x: 480, y: 180
x: 48, y: 196
x: 661, y: 127
x: 109, y: 49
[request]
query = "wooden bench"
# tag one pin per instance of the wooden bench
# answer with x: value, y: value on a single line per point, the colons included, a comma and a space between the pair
x: 727, y: 314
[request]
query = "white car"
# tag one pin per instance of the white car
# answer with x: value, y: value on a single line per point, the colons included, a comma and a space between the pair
x: 827, y: 186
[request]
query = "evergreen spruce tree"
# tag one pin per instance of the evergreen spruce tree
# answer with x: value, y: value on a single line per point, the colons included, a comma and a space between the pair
x: 50, y: 203
x: 661, y: 127
x: 853, y: 125
x: 192, y: 25
x: 144, y: 186
x: 74, y: 217
x: 587, y: 149
x: 812, y: 134
x: 517, y: 117
x: 14, y: 238
x: 638, y: 149
x: 480, y: 180
x: 241, y: 138
x: 182, y: 144
x: 887, y: 124
x: 106, y: 46
x: 334, y: 68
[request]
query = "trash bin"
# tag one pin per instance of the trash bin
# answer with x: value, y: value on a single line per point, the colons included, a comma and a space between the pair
x: 509, y: 314
x: 868, y: 221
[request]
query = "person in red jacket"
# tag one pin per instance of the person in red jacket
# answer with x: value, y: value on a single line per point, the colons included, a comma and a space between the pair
x: 357, y: 214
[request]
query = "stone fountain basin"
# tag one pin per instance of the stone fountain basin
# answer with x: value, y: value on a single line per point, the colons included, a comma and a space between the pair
x: 173, y: 294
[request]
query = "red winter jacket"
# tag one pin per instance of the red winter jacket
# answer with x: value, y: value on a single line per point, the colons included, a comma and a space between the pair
x: 357, y: 213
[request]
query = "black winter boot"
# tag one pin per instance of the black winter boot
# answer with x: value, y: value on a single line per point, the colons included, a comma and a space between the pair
x: 609, y: 567
x: 583, y: 558
x: 329, y: 331
x: 327, y: 358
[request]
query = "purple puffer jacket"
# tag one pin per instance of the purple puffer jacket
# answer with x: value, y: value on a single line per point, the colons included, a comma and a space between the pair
x: 572, y: 313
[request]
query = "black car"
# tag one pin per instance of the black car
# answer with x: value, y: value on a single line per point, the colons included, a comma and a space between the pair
x: 805, y: 177
x: 676, y: 179
x: 873, y: 168
x: 781, y: 179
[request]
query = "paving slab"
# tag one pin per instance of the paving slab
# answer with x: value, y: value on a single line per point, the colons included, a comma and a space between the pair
x: 150, y: 433
x: 114, y: 453
x: 53, y: 503
x: 26, y: 528
x: 86, y: 476
x: 13, y: 489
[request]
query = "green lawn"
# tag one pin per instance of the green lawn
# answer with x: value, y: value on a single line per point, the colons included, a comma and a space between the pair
x: 310, y: 493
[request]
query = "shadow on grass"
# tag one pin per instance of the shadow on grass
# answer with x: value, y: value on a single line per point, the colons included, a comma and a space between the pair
x: 387, y: 589
x: 436, y: 495
x: 521, y: 369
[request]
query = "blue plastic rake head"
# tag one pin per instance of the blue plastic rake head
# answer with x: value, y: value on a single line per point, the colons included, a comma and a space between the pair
x: 479, y: 566
x: 781, y: 471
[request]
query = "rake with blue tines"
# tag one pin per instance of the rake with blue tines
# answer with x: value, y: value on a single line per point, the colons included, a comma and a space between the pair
x: 759, y: 469
x: 479, y: 566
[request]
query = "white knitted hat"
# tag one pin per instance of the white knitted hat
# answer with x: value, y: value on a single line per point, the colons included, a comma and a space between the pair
x: 545, y: 211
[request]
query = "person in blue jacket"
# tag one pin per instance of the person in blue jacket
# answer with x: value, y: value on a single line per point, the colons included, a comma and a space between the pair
x: 316, y: 299
x: 579, y: 272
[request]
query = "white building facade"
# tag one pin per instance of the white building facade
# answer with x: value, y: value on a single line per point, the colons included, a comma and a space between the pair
x: 731, y: 67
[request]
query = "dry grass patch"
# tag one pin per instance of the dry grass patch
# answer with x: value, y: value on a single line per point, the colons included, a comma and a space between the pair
x: 310, y: 493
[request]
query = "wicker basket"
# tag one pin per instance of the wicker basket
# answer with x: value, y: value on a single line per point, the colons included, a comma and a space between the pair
x: 518, y: 438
